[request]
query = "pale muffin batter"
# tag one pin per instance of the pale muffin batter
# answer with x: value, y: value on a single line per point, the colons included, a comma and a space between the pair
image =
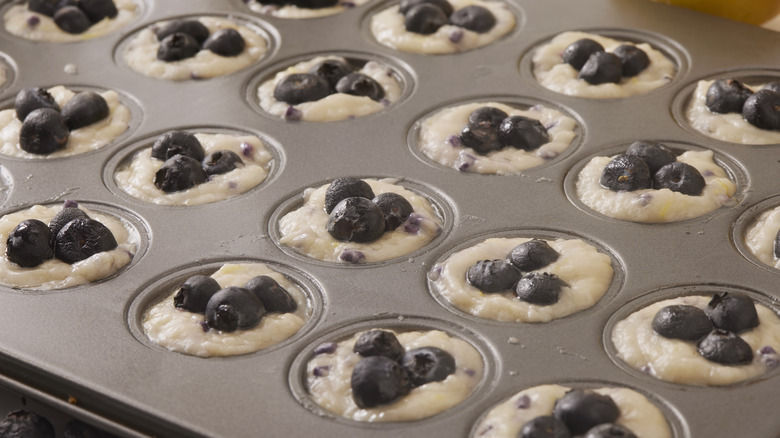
x: 183, y: 331
x: 760, y: 237
x: 291, y: 11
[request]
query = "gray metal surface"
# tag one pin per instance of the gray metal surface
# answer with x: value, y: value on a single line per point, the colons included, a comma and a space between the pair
x: 80, y: 344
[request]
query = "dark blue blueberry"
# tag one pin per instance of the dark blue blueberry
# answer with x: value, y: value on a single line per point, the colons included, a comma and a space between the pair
x: 542, y: 289
x: 273, y: 296
x: 177, y: 46
x: 379, y: 343
x: 358, y: 84
x: 544, y: 426
x: 194, y: 28
x: 777, y: 245
x: 475, y: 18
x: 610, y: 430
x: 725, y: 348
x: 762, y: 109
x: 633, y: 59
x: 84, y: 109
x: 78, y: 429
x: 29, y: 244
x: 301, y: 87
x: 356, y: 220
x: 444, y: 5
x: 234, y: 308
x: 395, y: 208
x: 332, y: 70
x: 31, y: 99
x: 43, y: 131
x: 314, y: 4
x: 581, y: 410
x: 653, y: 153
x: 626, y: 172
x: 577, y: 53
x: 522, y: 133
x: 487, y: 116
x: 482, y: 138
x: 688, y: 323
x: 179, y: 173
x: 72, y: 20
x: 427, y: 364
x: 326, y: 348
x: 424, y: 18
x: 602, y: 68
x: 26, y: 424
x: 532, y: 255
x: 97, y: 10
x: 680, y: 177
x: 774, y: 86
x: 64, y: 216
x: 225, y: 42
x: 492, y: 276
x: 177, y: 143
x: 352, y: 256
x: 735, y: 312
x: 45, y: 7
x: 195, y: 292
x: 219, y: 162
x: 82, y: 238
x: 727, y: 96
x: 377, y: 380
x: 412, y: 225
x: 346, y: 187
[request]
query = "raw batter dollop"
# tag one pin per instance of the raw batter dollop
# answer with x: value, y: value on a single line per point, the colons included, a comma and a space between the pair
x: 291, y: 11
x: 760, y: 237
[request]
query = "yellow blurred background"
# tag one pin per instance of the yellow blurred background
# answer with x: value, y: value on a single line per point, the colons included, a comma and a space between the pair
x: 750, y: 11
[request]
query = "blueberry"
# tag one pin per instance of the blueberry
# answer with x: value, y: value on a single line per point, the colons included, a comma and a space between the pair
x: 395, y: 208
x: 234, y: 308
x: 532, y: 255
x: 633, y: 59
x: 541, y: 289
x: 762, y: 109
x: 33, y: 98
x: 179, y: 173
x: 82, y: 238
x: 491, y: 276
x: 522, y: 133
x: 314, y: 4
x: 427, y: 364
x: 29, y: 244
x: 43, y: 131
x: 777, y: 245
x: 610, y: 430
x: 774, y: 86
x: 84, y: 109
x: 653, y: 153
x: 195, y: 292
x: 26, y: 424
x: 301, y: 87
x: 725, y: 348
x: 602, y: 68
x: 577, y: 53
x: 482, y: 138
x: 273, y: 296
x: 177, y: 46
x: 177, y: 142
x: 626, y: 172
x: 487, y: 116
x: 544, y: 426
x: 474, y: 18
x: 45, y: 7
x: 219, y: 162
x: 332, y: 70
x: 64, y: 216
x: 377, y: 380
x: 72, y: 20
x: 358, y: 84
x: 679, y: 177
x: 379, y: 343
x: 356, y: 220
x: 193, y: 28
x: 346, y: 187
x: 581, y: 410
x: 97, y: 10
x: 731, y: 311
x: 78, y: 429
x: 688, y: 323
x: 727, y: 96
x: 424, y: 18
x: 444, y: 5
x: 225, y: 42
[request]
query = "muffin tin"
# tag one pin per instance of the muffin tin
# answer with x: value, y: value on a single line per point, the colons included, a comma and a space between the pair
x: 79, y: 349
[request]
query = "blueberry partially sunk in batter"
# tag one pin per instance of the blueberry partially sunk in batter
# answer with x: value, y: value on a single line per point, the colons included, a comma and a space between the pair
x: 301, y: 87
x: 82, y: 238
x: 346, y: 187
x: 427, y: 364
x: 581, y: 410
x: 177, y: 142
x: 84, y: 109
x: 26, y: 424
x: 731, y: 311
x: 688, y: 323
x: 377, y: 380
x: 491, y: 276
x: 97, y: 10
x: 532, y: 255
x: 541, y: 289
x: 177, y: 46
x: 274, y: 297
x: 234, y: 308
x: 444, y: 5
x: 424, y: 19
x: 72, y: 19
x: 777, y: 245
x: 43, y: 131
x: 577, y: 53
x: 544, y: 426
x: 474, y: 18
x: 762, y: 109
x: 194, y: 28
x: 395, y: 208
x: 356, y: 220
x: 195, y: 293
x: 359, y: 84
x: 64, y: 216
x: 633, y: 59
x: 379, y: 343
x: 225, y: 42
x: 602, y: 68
x: 727, y: 96
x: 332, y: 70
x: 679, y: 177
x: 179, y: 173
x: 654, y: 154
x: 610, y: 430
x: 725, y: 348
x: 32, y: 98
x: 626, y: 172
x: 29, y: 244
x: 522, y: 133
x: 219, y: 162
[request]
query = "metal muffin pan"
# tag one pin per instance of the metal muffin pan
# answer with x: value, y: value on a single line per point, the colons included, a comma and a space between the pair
x: 77, y: 349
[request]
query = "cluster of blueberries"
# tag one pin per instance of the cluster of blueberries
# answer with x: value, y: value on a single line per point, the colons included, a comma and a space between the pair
x: 386, y: 372
x: 761, y: 109
x: 715, y: 329
x: 304, y: 4
x: 648, y: 164
x: 597, y: 66
x: 356, y: 215
x: 22, y: 423
x: 427, y: 16
x: 182, y: 39
x: 233, y: 308
x: 326, y: 78
x: 74, y: 16
x: 491, y: 129
x: 45, y: 127
x: 579, y: 412
x: 186, y: 163
x: 71, y: 236
x: 501, y: 275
